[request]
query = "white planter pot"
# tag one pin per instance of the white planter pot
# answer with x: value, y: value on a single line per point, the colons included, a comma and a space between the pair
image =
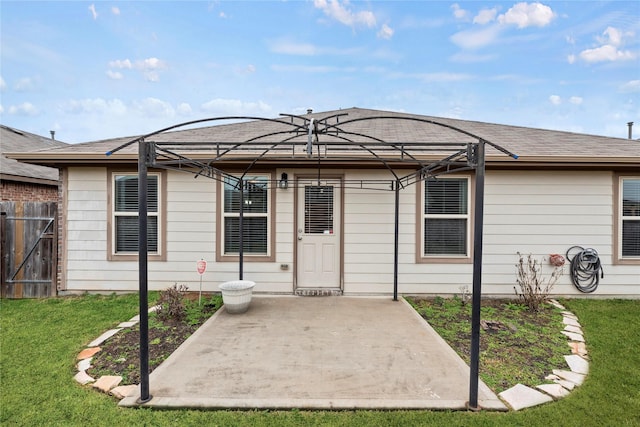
x: 236, y: 295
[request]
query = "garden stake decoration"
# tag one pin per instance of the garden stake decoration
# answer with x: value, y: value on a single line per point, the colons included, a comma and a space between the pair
x: 201, y: 267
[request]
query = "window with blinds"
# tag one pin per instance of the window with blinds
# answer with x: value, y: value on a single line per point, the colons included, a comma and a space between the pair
x: 125, y: 213
x: 254, y: 199
x: 446, y: 217
x: 318, y: 209
x: 630, y: 230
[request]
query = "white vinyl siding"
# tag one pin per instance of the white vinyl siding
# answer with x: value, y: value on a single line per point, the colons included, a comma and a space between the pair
x: 630, y: 217
x: 538, y: 212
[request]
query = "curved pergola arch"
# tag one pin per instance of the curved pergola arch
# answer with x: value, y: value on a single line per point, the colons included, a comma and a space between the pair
x: 467, y: 155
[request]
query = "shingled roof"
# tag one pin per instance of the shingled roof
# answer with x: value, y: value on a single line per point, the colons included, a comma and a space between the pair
x: 15, y: 141
x: 363, y: 127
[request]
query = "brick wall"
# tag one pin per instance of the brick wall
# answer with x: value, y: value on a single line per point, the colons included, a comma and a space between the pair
x: 27, y: 192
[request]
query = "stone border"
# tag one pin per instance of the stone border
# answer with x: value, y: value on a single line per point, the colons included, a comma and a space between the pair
x: 517, y: 397
x: 520, y: 396
x: 109, y: 384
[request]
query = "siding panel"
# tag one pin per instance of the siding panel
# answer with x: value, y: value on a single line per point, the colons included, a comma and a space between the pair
x: 538, y: 212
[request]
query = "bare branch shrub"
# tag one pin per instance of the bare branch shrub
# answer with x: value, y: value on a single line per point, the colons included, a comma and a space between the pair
x: 172, y: 303
x: 534, y: 288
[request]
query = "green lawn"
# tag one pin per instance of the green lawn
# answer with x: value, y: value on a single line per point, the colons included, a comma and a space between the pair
x: 39, y: 340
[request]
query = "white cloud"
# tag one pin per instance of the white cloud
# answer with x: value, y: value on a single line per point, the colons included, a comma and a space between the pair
x: 485, y: 16
x: 149, y: 68
x: 385, y: 32
x: 610, y: 41
x: 151, y: 76
x: 3, y: 84
x: 153, y: 107
x: 340, y: 12
x: 555, y: 100
x: 527, y: 15
x: 24, y: 109
x: 1, y: 109
x: 24, y: 84
x: 121, y: 64
x: 612, y: 36
x: 288, y: 47
x: 115, y: 10
x: 184, y: 109
x: 114, y: 75
x: 235, y: 107
x: 150, y: 64
x: 476, y: 38
x: 141, y: 64
x: 571, y: 58
x: 631, y: 86
x: 458, y: 12
x: 606, y: 53
x: 292, y: 48
x: 93, y: 11
x: 94, y: 106
x: 222, y: 15
x: 575, y: 100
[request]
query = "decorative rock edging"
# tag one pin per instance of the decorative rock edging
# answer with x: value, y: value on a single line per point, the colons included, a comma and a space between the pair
x: 520, y: 396
x: 517, y: 397
x: 109, y: 384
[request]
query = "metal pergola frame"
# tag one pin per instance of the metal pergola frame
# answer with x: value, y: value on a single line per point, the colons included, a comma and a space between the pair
x: 339, y: 145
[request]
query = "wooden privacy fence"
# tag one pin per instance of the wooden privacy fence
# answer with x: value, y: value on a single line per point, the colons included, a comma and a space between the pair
x: 28, y: 249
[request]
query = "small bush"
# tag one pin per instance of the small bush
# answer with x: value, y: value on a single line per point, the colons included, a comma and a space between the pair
x: 171, y: 303
x: 534, y: 288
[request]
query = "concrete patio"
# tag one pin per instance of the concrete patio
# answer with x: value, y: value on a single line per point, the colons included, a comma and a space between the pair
x: 315, y: 353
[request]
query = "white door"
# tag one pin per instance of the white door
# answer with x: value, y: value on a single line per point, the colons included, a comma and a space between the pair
x: 318, y: 234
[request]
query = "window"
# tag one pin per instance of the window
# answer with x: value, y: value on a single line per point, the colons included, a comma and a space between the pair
x: 256, y: 210
x: 629, y: 218
x: 124, y: 211
x: 318, y: 209
x: 446, y: 219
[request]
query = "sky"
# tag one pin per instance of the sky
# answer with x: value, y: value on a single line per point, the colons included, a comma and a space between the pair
x: 104, y: 69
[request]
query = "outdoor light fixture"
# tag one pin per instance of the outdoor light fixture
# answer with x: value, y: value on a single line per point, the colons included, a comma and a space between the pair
x: 284, y: 182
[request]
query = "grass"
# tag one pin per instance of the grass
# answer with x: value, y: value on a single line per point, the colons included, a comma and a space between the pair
x: 511, y: 350
x: 39, y: 340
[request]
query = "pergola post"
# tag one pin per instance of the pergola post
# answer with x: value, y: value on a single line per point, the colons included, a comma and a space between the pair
x: 143, y: 271
x: 477, y: 275
x: 241, y: 231
x: 396, y: 239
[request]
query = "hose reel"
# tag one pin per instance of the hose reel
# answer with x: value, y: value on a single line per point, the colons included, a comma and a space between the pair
x: 585, y: 268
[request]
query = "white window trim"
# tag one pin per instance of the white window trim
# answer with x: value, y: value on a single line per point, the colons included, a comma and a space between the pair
x: 468, y: 216
x: 113, y: 255
x: 621, y: 218
x: 267, y: 215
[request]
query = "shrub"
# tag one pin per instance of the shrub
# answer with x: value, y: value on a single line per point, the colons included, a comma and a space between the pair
x: 534, y: 288
x: 172, y: 303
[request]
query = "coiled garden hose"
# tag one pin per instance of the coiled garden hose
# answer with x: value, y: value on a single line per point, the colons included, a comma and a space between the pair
x: 585, y: 268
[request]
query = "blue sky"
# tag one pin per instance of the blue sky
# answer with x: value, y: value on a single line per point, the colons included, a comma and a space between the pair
x: 103, y: 69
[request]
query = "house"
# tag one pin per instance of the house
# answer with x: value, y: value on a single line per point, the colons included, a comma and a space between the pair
x: 23, y: 181
x: 352, y: 201
x: 28, y: 204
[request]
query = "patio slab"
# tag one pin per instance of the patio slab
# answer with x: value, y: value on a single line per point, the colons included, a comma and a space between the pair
x: 315, y: 353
